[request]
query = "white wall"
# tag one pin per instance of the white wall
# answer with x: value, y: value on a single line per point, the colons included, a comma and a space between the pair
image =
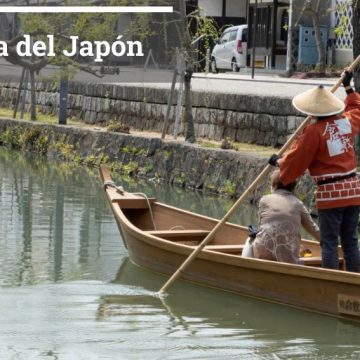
x: 343, y: 57
x: 236, y: 8
x: 211, y: 7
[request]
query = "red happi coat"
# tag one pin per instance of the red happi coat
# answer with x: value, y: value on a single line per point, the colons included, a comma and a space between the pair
x: 326, y: 149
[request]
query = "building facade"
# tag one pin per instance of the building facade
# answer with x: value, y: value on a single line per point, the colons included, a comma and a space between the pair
x: 342, y: 23
x: 269, y: 23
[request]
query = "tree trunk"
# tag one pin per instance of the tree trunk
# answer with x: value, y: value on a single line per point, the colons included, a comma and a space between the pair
x: 21, y: 84
x: 187, y: 49
x: 356, y: 40
x: 189, y: 121
x: 319, y: 44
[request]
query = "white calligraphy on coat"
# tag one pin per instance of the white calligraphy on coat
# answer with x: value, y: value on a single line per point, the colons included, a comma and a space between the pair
x: 339, y: 136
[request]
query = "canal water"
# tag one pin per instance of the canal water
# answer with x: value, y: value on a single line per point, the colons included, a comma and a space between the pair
x: 69, y: 291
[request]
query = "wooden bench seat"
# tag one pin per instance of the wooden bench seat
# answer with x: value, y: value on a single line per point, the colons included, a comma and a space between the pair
x: 316, y: 261
x: 230, y: 249
x: 181, y: 234
x: 311, y: 260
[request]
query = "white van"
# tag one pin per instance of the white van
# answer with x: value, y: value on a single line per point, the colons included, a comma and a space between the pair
x: 230, y: 51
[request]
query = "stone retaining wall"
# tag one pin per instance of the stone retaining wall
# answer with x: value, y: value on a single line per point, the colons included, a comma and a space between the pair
x: 187, y: 165
x: 241, y: 118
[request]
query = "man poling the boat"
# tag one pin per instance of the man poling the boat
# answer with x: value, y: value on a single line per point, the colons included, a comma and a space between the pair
x: 326, y: 150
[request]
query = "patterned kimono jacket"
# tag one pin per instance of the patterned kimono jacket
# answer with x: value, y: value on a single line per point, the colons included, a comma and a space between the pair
x: 281, y: 215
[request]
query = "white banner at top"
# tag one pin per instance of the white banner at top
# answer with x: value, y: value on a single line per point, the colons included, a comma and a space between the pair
x: 86, y: 9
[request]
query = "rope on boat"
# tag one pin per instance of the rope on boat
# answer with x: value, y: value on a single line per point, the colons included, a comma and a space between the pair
x: 121, y: 190
x: 149, y: 206
x: 110, y: 183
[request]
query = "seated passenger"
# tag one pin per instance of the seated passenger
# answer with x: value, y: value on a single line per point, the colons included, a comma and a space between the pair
x: 281, y: 215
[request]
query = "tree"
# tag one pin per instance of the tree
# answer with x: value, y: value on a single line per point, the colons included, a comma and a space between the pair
x: 88, y: 27
x: 316, y: 9
x: 206, y: 29
x: 91, y: 27
x: 314, y: 12
x: 356, y: 39
x: 187, y: 49
x: 189, y: 28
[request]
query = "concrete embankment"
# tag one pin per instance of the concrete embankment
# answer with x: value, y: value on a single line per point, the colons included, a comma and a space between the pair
x: 247, y: 118
x: 220, y: 171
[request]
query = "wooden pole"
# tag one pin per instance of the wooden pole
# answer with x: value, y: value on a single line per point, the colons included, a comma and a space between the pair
x: 249, y: 190
x: 32, y: 96
x: 32, y: 88
x: 63, y: 97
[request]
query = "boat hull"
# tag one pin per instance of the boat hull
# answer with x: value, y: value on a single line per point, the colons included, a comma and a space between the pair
x: 317, y: 290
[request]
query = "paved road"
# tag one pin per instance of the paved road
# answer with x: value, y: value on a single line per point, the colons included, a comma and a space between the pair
x: 264, y: 83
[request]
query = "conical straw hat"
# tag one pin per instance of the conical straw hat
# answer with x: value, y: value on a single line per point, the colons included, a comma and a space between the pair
x: 318, y: 102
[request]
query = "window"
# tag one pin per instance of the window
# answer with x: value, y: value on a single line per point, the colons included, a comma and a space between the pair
x: 225, y: 38
x: 244, y: 36
x: 233, y: 35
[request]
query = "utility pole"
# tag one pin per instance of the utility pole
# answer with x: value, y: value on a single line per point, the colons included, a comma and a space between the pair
x: 289, y: 65
x: 254, y: 41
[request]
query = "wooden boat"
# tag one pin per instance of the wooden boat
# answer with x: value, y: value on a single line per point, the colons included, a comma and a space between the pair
x: 160, y: 237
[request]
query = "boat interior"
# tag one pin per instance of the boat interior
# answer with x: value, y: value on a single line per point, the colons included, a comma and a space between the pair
x: 190, y: 229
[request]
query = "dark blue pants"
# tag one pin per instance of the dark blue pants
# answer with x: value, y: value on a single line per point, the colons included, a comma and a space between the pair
x: 340, y: 223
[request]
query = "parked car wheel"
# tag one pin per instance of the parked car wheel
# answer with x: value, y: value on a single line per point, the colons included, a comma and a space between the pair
x: 234, y: 66
x: 214, y: 69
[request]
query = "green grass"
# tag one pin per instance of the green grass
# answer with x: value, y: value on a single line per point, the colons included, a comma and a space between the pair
x: 264, y: 151
x: 49, y: 119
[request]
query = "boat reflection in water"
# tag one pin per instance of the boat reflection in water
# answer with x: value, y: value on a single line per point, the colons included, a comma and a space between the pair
x: 249, y: 325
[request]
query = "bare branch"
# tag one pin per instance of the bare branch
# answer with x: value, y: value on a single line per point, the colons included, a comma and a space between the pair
x: 15, y: 59
x: 88, y: 69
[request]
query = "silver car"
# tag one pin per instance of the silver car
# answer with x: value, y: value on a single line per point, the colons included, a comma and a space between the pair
x: 231, y: 50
